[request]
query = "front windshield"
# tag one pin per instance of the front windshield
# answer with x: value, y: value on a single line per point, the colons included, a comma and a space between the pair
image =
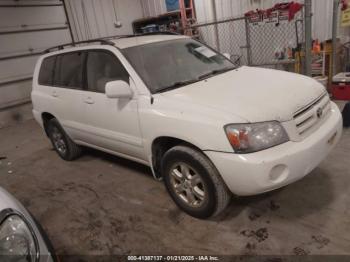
x: 171, y: 64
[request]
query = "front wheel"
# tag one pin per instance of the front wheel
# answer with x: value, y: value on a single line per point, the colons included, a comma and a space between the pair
x: 194, y: 183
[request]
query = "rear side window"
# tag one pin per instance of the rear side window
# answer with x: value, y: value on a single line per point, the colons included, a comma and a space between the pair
x: 103, y: 67
x: 47, y: 71
x: 69, y: 70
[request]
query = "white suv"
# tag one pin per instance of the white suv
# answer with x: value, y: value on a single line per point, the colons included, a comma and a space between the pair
x: 172, y: 103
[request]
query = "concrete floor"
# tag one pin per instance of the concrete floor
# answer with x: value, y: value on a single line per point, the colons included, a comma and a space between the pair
x: 101, y: 204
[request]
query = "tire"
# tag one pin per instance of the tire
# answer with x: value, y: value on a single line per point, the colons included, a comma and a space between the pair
x: 64, y: 146
x: 201, y: 198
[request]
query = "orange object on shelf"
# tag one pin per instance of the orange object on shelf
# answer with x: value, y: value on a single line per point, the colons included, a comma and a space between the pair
x: 316, y: 47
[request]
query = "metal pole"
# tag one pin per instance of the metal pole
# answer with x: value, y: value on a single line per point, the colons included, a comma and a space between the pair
x: 68, y: 22
x: 308, y: 37
x: 219, y: 22
x: 334, y: 36
x: 248, y: 45
x: 216, y: 31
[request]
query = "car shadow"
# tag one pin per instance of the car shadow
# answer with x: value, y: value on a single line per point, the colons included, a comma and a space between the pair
x: 90, y: 153
x: 310, y: 195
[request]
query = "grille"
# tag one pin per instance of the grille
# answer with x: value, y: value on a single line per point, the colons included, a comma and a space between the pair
x: 312, y: 114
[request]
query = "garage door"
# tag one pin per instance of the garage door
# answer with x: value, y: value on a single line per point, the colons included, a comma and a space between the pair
x: 26, y: 29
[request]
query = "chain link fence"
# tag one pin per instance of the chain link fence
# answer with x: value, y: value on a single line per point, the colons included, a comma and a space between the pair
x: 274, y: 44
x: 226, y: 36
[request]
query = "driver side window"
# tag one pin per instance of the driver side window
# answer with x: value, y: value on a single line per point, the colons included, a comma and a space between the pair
x: 101, y: 68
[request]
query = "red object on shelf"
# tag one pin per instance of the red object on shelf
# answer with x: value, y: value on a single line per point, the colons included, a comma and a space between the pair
x: 341, y: 92
x: 341, y: 86
x: 345, y: 4
x: 292, y: 7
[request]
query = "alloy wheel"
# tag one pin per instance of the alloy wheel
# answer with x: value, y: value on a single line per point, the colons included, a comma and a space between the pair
x: 188, y: 185
x: 58, y: 141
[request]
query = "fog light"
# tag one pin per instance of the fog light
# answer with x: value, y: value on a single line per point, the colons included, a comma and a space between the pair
x: 279, y: 173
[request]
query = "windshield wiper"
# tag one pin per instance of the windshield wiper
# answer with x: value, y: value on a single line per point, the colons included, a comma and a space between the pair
x: 215, y: 72
x: 187, y: 82
x: 177, y: 85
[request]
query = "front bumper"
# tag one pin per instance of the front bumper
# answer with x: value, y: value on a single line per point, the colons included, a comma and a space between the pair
x: 263, y: 171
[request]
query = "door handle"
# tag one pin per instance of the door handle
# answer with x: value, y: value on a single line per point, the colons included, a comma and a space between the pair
x: 89, y: 100
x: 54, y: 94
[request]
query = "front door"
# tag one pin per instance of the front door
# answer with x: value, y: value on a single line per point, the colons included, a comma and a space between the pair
x: 110, y: 124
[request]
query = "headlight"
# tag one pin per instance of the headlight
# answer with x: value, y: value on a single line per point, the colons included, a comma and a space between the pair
x: 248, y: 138
x: 16, y: 240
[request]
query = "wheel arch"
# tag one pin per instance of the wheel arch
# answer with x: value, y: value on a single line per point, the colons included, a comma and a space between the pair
x: 161, y: 145
x: 46, y: 117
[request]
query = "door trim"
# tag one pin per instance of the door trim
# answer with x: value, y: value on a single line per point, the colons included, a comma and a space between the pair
x: 141, y: 161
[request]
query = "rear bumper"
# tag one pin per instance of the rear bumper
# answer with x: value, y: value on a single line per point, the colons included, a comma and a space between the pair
x: 263, y: 171
x: 37, y: 117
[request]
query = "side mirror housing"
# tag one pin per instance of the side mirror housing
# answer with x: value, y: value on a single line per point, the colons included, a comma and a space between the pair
x: 227, y: 55
x: 118, y: 89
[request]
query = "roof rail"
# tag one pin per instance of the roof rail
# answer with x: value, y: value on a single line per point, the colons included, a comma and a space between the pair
x: 106, y: 40
x: 140, y: 34
x: 158, y: 33
x: 98, y: 40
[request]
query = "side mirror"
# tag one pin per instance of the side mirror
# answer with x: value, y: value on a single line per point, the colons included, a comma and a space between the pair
x: 227, y: 55
x: 118, y: 89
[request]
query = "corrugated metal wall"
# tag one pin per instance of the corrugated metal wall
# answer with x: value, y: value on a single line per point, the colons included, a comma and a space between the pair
x: 226, y: 8
x: 98, y: 18
x: 153, y: 7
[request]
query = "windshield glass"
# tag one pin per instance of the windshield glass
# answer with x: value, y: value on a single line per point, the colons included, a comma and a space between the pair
x: 171, y: 64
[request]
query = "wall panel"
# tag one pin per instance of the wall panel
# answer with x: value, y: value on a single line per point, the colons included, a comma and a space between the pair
x: 153, y: 7
x: 97, y: 18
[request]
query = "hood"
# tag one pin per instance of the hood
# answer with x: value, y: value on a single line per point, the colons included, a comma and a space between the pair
x: 254, y: 94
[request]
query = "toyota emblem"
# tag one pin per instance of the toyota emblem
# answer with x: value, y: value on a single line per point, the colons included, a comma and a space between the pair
x: 319, y: 112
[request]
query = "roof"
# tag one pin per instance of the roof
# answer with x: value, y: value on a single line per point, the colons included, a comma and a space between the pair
x: 142, y: 40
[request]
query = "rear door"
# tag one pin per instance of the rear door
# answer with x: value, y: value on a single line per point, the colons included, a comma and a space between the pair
x: 67, y: 91
x: 111, y: 124
x: 43, y: 98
